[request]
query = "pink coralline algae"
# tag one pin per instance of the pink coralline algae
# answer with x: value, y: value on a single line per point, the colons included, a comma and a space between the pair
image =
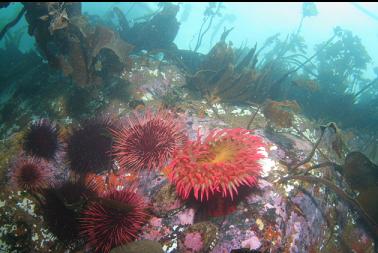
x: 193, y: 242
x: 186, y: 217
x: 252, y: 243
x: 156, y: 222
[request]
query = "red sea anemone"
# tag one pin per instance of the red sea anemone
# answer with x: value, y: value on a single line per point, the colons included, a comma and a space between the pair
x: 217, y: 167
x: 89, y: 147
x: 114, y: 221
x: 148, y: 141
x: 42, y: 140
x: 32, y: 174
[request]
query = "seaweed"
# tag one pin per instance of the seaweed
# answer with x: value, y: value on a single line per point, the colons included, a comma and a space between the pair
x: 219, y: 78
x: 157, y: 33
x: 12, y: 23
x: 13, y: 39
x: 213, y: 10
x: 336, y: 71
x: 280, y: 113
x: 365, y: 204
x: 341, y: 63
x: 308, y: 10
x: 70, y: 43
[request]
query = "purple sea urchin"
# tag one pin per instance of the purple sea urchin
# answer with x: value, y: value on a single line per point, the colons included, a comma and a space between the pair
x: 32, y: 174
x: 61, y: 209
x: 42, y: 140
x: 89, y: 147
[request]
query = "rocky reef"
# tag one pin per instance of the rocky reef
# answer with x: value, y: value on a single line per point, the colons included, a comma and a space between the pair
x: 113, y: 132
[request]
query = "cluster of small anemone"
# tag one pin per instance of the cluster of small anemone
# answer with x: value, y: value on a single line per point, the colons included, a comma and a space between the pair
x: 65, y: 173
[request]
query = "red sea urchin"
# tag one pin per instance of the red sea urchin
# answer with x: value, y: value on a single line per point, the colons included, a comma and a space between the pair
x: 32, y: 174
x: 89, y: 147
x: 106, y: 225
x: 148, y: 141
x: 217, y: 167
x: 42, y: 140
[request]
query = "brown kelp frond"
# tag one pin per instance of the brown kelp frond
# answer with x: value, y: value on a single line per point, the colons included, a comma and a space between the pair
x: 88, y: 49
x: 373, y: 226
x: 220, y: 78
x: 359, y: 172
